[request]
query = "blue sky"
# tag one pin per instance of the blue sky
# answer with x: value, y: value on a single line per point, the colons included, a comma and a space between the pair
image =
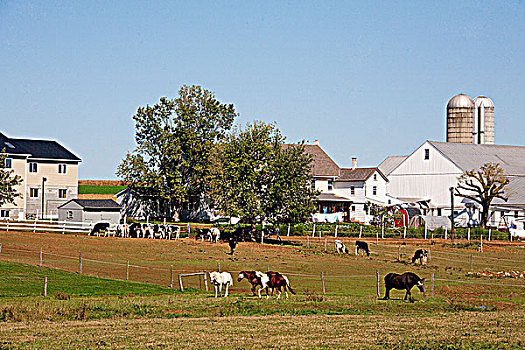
x: 368, y: 79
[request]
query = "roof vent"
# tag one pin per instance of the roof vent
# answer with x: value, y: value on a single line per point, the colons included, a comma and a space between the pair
x: 9, y: 144
x: 316, y: 142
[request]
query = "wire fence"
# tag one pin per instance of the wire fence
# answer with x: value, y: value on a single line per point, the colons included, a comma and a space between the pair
x: 159, y: 275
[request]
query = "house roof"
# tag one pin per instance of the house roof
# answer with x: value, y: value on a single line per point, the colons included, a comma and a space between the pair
x: 468, y: 156
x: 322, y: 164
x: 36, y: 149
x: 359, y: 174
x: 390, y: 164
x: 101, y: 204
x: 331, y: 197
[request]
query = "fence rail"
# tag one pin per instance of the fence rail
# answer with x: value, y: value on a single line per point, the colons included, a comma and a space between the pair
x: 46, y: 225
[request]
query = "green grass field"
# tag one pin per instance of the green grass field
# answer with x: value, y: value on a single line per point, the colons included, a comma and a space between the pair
x: 91, y: 189
x: 105, y: 312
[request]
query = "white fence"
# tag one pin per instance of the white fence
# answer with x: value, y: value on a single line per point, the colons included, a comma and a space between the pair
x: 46, y: 225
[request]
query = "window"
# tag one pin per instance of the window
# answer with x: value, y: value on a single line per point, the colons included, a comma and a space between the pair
x: 375, y: 177
x: 33, y: 192
x: 353, y: 207
x: 62, y: 193
x: 69, y: 214
x: 313, y: 184
x: 427, y: 154
x: 352, y: 190
x: 515, y: 213
x: 374, y: 190
x: 4, y: 213
x: 61, y: 168
x: 33, y: 167
x: 330, y: 185
x: 8, y: 163
x: 439, y: 211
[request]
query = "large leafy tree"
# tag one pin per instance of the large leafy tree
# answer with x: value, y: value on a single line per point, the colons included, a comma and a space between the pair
x: 483, y: 186
x: 257, y: 177
x: 174, y: 140
x: 8, y: 182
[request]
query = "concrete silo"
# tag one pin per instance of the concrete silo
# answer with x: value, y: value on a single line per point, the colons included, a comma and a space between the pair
x: 483, y: 124
x: 460, y: 118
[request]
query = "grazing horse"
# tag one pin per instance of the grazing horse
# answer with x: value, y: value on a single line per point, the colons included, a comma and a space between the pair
x: 99, y: 227
x: 404, y: 281
x: 421, y: 255
x: 340, y: 247
x: 360, y: 245
x: 214, y: 234
x: 277, y: 281
x: 220, y: 279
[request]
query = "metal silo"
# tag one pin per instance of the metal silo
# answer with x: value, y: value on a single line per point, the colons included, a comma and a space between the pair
x: 460, y: 118
x: 483, y: 123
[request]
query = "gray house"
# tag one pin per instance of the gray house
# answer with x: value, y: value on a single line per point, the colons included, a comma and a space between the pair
x: 90, y: 211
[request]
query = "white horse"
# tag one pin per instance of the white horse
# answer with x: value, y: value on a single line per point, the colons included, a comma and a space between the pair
x: 219, y: 279
x: 214, y: 234
x: 340, y: 247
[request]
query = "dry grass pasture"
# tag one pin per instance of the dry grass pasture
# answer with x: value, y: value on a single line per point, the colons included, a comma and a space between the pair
x: 467, y: 311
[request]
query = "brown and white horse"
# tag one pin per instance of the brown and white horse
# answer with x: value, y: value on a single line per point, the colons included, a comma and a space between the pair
x: 269, y: 280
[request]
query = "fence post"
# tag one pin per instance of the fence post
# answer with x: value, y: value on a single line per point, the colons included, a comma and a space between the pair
x: 481, y: 241
x: 426, y: 230
x: 219, y: 266
x: 171, y: 276
x: 180, y: 283
x: 424, y: 288
x: 335, y: 235
x: 34, y: 227
x: 322, y: 280
x: 189, y: 230
x: 7, y: 224
x: 404, y: 232
x: 399, y: 253
x: 377, y: 275
x: 262, y: 237
x: 64, y: 228
x: 471, y: 263
x: 468, y: 235
x: 446, y: 233
x: 288, y: 233
x: 313, y: 231
x: 429, y: 257
x: 377, y: 238
x: 360, y: 231
x: 308, y: 241
x: 127, y: 271
x: 490, y: 231
x: 80, y: 263
x: 0, y: 247
x: 325, y: 243
x: 40, y: 257
x: 383, y: 231
x: 205, y: 280
x: 267, y: 268
x: 45, y: 286
x: 432, y: 285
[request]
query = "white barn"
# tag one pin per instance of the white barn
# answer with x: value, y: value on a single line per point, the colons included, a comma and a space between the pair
x: 90, y: 211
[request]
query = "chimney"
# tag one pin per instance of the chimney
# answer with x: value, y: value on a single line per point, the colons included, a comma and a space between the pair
x: 354, y: 162
x: 316, y: 142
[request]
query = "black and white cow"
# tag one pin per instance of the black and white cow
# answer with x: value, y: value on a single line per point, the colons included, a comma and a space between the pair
x: 360, y: 245
x: 421, y: 255
x: 340, y: 247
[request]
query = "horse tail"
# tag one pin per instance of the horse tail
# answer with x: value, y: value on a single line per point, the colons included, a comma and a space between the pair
x: 288, y: 284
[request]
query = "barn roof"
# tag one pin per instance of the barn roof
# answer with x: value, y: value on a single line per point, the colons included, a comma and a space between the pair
x: 36, y: 149
x: 322, y: 164
x: 468, y: 156
x: 391, y: 163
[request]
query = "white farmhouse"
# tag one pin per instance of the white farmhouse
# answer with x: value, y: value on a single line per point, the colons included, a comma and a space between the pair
x: 49, y: 175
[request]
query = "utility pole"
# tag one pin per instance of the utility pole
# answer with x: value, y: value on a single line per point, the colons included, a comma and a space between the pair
x: 452, y: 213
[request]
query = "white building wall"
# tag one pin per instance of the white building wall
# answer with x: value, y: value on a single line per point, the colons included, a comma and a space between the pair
x: 431, y: 179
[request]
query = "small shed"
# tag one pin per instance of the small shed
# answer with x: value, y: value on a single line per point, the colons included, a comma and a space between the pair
x: 90, y: 211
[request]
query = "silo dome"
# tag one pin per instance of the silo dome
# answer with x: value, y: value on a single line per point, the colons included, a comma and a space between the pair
x: 460, y: 101
x: 483, y: 101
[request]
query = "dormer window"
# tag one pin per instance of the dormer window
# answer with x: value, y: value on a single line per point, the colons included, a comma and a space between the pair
x: 427, y: 154
x: 33, y: 167
x: 375, y: 177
